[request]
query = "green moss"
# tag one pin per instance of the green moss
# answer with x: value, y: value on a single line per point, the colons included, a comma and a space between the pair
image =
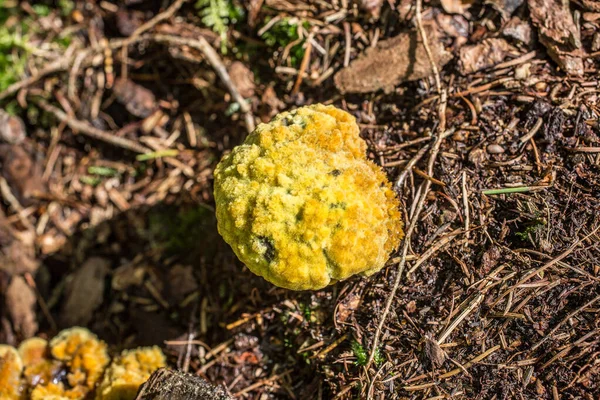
x: 16, y: 29
x: 218, y: 15
x: 362, y: 356
x: 284, y: 32
x: 13, y: 56
x: 531, y: 227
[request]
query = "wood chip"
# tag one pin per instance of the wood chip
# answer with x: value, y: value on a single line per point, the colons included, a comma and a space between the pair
x: 391, y: 62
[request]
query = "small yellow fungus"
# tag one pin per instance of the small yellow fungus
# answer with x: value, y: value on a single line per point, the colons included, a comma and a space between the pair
x: 38, y: 368
x: 128, y: 371
x: 11, y: 367
x: 84, y: 354
x: 57, y: 391
x: 70, y: 368
x: 302, y: 206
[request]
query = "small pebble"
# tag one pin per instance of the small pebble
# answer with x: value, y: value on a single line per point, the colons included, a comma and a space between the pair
x: 495, y: 149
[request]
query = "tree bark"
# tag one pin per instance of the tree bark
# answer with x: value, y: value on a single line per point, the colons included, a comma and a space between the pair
x: 165, y: 384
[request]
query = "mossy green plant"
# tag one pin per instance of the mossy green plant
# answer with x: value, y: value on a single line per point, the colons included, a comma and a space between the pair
x: 218, y: 15
x: 284, y: 32
x: 362, y: 356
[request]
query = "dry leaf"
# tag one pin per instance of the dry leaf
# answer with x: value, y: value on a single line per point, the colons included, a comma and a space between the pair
x: 558, y: 32
x: 84, y: 292
x: 483, y: 55
x: 254, y: 7
x: 433, y: 353
x: 269, y: 105
x: 596, y: 42
x: 391, y: 62
x: 518, y: 30
x: 138, y: 100
x: 20, y: 301
x: 128, y: 275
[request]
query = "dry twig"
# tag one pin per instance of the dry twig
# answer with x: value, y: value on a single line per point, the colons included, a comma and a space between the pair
x: 213, y: 58
x: 426, y: 185
x: 92, y: 132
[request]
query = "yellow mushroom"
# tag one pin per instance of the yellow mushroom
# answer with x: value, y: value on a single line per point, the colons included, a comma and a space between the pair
x: 11, y: 367
x: 302, y: 206
x: 127, y: 372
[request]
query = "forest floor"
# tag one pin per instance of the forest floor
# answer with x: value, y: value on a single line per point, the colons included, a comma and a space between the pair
x: 114, y: 114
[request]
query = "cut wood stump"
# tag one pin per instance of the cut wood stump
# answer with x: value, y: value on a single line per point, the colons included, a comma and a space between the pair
x: 166, y: 384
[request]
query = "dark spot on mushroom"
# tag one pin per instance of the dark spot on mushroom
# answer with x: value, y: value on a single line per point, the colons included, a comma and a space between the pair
x: 336, y: 172
x: 341, y: 205
x: 300, y: 215
x: 268, y: 244
x: 331, y: 265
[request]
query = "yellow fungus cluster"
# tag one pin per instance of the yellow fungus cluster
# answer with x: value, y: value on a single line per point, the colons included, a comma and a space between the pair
x: 302, y: 206
x: 11, y: 367
x: 128, y: 371
x: 74, y: 366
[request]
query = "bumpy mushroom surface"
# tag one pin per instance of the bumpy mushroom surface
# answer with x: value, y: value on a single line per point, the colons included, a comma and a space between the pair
x: 84, y: 353
x: 11, y: 367
x: 302, y: 206
x: 127, y: 372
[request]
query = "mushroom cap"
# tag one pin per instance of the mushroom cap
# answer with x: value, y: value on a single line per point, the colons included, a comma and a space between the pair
x: 302, y: 206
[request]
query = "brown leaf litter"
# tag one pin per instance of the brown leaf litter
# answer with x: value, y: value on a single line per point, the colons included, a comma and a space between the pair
x: 138, y: 100
x: 16, y: 256
x: 485, y: 54
x: 84, y: 292
x: 518, y: 30
x: 456, y: 6
x: 393, y: 61
x: 20, y: 301
x: 559, y: 33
